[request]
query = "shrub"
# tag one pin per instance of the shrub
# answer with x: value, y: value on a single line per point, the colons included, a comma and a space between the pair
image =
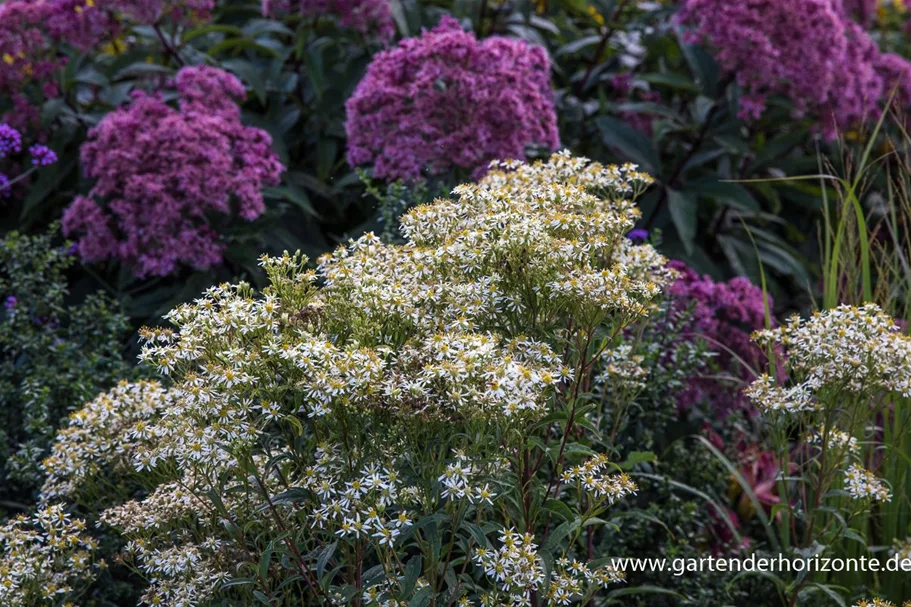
x: 421, y: 425
x: 53, y: 356
x: 847, y: 367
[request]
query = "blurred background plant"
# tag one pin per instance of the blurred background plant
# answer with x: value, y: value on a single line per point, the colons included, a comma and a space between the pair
x: 54, y: 354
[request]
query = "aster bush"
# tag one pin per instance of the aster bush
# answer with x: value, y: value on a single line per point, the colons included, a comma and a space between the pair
x: 406, y: 423
x: 840, y: 422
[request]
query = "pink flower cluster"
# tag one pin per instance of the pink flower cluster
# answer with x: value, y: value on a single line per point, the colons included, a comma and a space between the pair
x: 724, y: 314
x: 367, y: 17
x: 810, y: 51
x: 31, y: 31
x: 164, y: 175
x: 446, y: 100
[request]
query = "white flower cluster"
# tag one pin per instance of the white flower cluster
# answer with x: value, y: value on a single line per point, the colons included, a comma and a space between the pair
x: 622, y: 370
x: 515, y: 567
x: 366, y: 504
x: 182, y: 575
x: 104, y: 432
x: 862, y: 485
x: 840, y: 441
x: 902, y: 549
x: 337, y: 401
x: 462, y: 480
x: 572, y: 579
x: 848, y: 348
x: 525, y: 242
x: 43, y: 556
x: 590, y: 477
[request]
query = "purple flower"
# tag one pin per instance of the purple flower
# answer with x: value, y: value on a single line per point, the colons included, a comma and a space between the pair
x: 10, y: 303
x: 42, y: 155
x: 4, y: 186
x: 446, y: 100
x: 895, y: 72
x: 638, y: 235
x: 363, y: 16
x: 160, y: 174
x: 807, y: 50
x: 10, y: 140
x: 724, y: 314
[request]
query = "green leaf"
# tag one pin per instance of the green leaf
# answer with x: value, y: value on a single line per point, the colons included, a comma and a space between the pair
x: 644, y: 589
x: 559, y: 508
x: 575, y: 46
x: 250, y: 74
x: 212, y: 29
x: 632, y: 144
x: 680, y: 82
x: 703, y: 67
x: 324, y: 557
x: 637, y: 457
x: 235, y: 45
x: 477, y: 533
x: 421, y: 598
x: 685, y: 215
x: 412, y: 572
x: 731, y: 194
x: 560, y: 532
x: 48, y: 181
x: 291, y: 496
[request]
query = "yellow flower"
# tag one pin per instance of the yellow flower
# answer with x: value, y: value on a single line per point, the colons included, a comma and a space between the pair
x: 598, y: 17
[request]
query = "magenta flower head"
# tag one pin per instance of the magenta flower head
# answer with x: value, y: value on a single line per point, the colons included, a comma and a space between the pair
x: 725, y: 314
x: 161, y: 174
x: 446, y: 100
x: 809, y: 51
x: 367, y: 17
x: 27, y: 56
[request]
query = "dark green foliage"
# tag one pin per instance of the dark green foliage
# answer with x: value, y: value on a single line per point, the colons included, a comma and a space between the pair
x: 54, y: 356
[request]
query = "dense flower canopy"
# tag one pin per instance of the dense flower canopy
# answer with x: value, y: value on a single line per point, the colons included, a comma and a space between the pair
x: 434, y: 332
x: 161, y: 174
x: 448, y: 101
